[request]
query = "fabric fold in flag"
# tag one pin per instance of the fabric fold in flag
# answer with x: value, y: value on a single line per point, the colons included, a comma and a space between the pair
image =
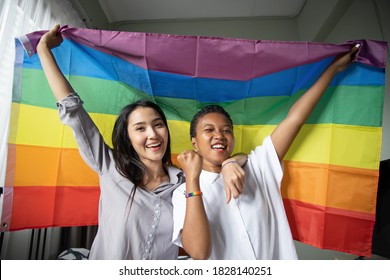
x: 331, y: 170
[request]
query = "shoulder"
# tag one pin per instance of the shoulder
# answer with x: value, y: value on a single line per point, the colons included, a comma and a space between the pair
x: 265, y: 149
x: 264, y: 156
x: 176, y: 175
x: 264, y: 160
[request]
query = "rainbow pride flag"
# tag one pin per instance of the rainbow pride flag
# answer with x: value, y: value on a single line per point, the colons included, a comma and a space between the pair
x: 331, y: 171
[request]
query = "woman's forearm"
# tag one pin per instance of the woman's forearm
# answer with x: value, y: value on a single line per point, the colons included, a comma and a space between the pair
x: 195, y: 236
x: 57, y: 81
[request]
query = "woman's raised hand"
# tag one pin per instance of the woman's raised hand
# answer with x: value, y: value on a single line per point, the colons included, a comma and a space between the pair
x: 52, y: 38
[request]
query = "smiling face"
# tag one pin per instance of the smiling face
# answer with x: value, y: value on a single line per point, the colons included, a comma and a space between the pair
x: 148, y: 135
x: 213, y: 140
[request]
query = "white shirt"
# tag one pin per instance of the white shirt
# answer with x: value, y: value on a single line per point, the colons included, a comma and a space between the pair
x: 253, y: 226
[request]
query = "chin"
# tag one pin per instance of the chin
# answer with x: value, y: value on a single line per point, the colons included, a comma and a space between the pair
x: 217, y: 161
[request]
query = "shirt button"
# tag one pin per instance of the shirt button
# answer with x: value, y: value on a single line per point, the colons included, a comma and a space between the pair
x: 150, y: 235
x: 147, y: 250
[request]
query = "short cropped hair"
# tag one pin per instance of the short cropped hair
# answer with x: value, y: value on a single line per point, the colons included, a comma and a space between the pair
x: 204, y: 111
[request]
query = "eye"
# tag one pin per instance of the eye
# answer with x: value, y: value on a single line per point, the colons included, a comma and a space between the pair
x: 160, y: 124
x: 227, y: 131
x: 208, y: 130
x: 140, y: 128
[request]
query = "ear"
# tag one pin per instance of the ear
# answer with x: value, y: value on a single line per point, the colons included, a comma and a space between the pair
x: 194, y: 143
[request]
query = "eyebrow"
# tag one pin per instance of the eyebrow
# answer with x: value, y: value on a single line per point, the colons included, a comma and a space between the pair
x: 143, y: 123
x: 224, y: 125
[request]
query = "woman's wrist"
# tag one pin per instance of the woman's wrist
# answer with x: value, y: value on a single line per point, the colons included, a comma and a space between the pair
x: 228, y: 161
x: 191, y: 194
x: 41, y: 46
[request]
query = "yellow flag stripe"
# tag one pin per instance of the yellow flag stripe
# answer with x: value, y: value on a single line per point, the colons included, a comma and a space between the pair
x: 337, y: 144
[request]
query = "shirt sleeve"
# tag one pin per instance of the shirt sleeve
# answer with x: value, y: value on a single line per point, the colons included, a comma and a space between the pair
x: 91, y: 145
x: 268, y: 162
x: 179, y: 211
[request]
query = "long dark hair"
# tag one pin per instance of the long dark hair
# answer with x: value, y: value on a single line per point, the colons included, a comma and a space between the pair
x: 127, y: 161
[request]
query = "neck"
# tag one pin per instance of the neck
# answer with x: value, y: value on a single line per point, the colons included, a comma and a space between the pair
x: 155, y: 176
x: 211, y: 166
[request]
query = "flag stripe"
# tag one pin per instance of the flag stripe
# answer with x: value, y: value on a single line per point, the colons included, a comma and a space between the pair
x: 163, y: 84
x: 80, y: 60
x: 41, y: 127
x: 79, y: 202
x: 54, y: 206
x: 220, y: 57
x: 55, y: 167
x: 332, y: 185
x: 266, y: 109
x: 322, y: 227
x: 335, y: 185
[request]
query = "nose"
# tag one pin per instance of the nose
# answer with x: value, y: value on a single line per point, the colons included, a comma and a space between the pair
x: 152, y: 134
x: 218, y: 134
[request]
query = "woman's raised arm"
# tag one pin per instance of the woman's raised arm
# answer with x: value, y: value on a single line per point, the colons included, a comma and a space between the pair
x: 57, y: 81
x: 285, y: 133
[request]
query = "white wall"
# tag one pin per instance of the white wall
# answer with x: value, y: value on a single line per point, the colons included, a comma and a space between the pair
x: 234, y: 28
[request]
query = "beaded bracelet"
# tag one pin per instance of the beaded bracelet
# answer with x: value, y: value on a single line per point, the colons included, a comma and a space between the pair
x: 232, y: 161
x: 193, y: 194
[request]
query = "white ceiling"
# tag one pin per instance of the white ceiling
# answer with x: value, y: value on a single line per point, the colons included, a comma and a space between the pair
x: 141, y: 10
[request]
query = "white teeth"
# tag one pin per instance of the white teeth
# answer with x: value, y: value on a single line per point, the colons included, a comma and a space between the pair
x: 153, y: 145
x: 218, y: 146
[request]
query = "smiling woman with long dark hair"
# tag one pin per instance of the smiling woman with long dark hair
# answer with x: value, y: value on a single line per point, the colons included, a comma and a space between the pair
x: 136, y: 176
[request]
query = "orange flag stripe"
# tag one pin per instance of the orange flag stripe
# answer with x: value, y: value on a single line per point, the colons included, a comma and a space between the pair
x: 45, y: 166
x: 336, y: 186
